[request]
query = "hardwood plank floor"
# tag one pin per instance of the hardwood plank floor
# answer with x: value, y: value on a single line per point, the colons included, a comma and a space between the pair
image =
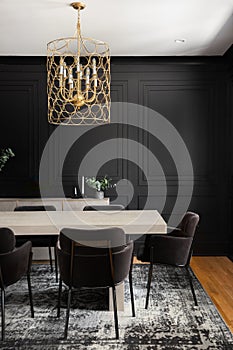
x: 215, y: 273
x: 216, y: 276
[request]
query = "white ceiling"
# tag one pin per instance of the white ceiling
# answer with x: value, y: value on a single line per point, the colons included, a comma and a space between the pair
x: 132, y: 28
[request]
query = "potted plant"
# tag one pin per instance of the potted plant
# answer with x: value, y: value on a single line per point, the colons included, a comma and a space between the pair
x: 99, y: 185
x: 5, y: 155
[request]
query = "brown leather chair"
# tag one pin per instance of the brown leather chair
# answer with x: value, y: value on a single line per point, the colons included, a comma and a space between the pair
x: 104, y: 207
x: 94, y: 259
x: 174, y: 249
x: 44, y: 241
x: 14, y: 264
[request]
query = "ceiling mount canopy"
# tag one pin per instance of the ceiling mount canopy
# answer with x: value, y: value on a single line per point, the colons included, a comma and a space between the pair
x: 78, y: 79
x: 78, y: 5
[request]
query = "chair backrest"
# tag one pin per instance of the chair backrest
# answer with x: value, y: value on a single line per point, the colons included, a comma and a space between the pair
x: 104, y: 207
x: 13, y: 265
x: 115, y: 237
x: 188, y: 224
x: 7, y: 240
x: 35, y: 208
x: 94, y: 264
x: 174, y: 248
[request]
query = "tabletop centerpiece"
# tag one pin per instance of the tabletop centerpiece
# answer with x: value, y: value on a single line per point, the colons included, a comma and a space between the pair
x: 99, y: 185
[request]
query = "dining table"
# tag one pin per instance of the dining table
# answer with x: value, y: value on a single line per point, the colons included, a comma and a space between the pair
x: 48, y: 224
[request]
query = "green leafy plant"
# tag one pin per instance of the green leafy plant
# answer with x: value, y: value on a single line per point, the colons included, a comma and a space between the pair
x: 5, y: 155
x: 101, y: 184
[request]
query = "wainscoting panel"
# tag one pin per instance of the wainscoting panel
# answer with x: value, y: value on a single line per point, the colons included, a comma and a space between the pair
x: 21, y: 129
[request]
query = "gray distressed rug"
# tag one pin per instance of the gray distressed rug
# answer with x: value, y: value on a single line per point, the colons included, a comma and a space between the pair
x: 171, y: 321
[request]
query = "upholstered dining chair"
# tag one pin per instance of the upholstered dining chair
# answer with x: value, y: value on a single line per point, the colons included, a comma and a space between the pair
x: 104, y: 207
x: 94, y: 259
x: 44, y: 241
x: 7, y: 239
x: 173, y: 249
x: 14, y: 264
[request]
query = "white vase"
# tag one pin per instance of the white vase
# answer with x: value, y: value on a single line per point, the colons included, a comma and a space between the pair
x: 99, y: 194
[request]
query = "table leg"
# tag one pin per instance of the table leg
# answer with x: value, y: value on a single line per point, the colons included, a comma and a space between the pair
x: 119, y: 296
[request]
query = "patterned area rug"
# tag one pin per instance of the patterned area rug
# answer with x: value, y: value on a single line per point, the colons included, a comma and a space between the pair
x: 171, y: 322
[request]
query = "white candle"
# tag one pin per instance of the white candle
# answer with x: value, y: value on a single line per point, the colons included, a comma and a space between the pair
x: 82, y: 191
x: 75, y: 191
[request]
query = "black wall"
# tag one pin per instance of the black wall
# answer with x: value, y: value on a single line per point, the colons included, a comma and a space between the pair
x: 194, y: 94
x: 229, y: 153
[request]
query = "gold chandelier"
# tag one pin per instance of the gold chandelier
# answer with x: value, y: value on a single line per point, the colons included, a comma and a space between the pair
x: 78, y: 79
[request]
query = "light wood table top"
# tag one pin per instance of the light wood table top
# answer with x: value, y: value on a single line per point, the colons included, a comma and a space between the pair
x: 50, y: 223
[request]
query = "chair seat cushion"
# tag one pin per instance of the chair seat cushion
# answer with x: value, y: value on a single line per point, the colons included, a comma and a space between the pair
x: 166, y: 250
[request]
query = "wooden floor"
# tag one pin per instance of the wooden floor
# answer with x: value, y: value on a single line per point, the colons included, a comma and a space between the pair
x: 216, y: 276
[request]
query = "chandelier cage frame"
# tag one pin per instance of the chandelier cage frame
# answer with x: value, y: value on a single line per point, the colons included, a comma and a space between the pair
x: 78, y: 79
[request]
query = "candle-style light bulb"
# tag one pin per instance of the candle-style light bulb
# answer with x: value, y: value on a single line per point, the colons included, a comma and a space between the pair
x: 87, y: 75
x: 64, y: 70
x: 70, y: 81
x: 94, y: 65
x: 81, y: 71
x: 61, y: 70
x: 78, y: 67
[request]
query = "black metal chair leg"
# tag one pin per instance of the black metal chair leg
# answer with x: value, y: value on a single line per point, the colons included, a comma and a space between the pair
x: 67, y: 313
x: 191, y: 285
x: 3, y: 312
x: 115, y: 311
x: 50, y: 259
x: 149, y: 276
x: 149, y: 284
x: 59, y: 298
x: 56, y: 265
x: 30, y: 295
x: 131, y: 288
